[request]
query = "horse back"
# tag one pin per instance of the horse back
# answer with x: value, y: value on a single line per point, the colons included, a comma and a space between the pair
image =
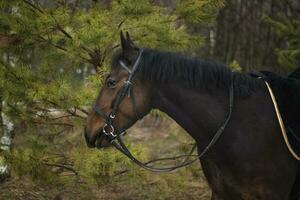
x: 295, y: 74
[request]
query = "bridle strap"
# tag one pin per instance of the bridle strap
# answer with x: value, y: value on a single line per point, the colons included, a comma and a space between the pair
x: 125, y: 67
x: 133, y: 104
x: 100, y: 112
x: 119, y: 144
x: 125, y: 90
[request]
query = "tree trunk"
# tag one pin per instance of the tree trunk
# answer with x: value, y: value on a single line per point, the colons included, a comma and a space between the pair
x: 243, y: 35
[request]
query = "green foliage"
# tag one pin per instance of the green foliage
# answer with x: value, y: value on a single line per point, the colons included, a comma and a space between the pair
x: 30, y: 162
x: 105, y: 170
x: 37, y: 161
x: 199, y: 11
x: 39, y: 70
x: 103, y: 166
x: 235, y: 65
x: 134, y: 8
x: 38, y: 73
x: 289, y: 31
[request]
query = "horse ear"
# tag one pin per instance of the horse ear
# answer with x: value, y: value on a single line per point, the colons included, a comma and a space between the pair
x: 129, y: 39
x: 128, y: 47
x: 123, y: 40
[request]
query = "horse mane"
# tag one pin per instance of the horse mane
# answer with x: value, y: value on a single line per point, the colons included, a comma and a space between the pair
x: 170, y: 67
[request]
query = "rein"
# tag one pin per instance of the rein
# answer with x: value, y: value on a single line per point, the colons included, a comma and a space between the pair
x: 113, y: 133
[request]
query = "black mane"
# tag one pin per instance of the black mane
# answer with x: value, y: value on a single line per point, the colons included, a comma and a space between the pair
x: 167, y: 67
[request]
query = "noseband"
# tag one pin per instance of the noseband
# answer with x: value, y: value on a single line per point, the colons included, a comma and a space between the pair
x: 114, y: 134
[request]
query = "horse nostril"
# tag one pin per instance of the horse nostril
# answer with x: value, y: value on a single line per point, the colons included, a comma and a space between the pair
x: 89, y: 141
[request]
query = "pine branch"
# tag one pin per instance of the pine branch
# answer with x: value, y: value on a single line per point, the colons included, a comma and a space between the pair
x: 82, y: 110
x: 35, y: 7
x: 36, y: 121
x: 61, y: 166
x: 160, y: 22
x: 52, y: 123
x: 17, y: 79
x: 42, y: 39
x: 95, y: 57
x: 73, y: 113
x: 60, y: 28
x: 64, y: 32
x: 7, y: 40
x: 121, y: 23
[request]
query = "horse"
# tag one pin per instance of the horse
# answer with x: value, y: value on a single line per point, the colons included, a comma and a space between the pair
x: 249, y: 159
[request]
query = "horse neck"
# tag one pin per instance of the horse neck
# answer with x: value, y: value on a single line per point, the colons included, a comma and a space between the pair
x: 199, y: 112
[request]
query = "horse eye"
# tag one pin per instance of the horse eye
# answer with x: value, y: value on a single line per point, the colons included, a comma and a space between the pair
x: 110, y: 83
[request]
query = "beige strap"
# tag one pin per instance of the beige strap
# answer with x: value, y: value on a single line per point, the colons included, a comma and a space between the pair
x: 281, y: 123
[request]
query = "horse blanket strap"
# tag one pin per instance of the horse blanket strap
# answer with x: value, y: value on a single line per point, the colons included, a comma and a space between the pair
x: 282, y: 127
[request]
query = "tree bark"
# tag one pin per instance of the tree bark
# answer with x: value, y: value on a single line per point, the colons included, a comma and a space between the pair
x: 243, y: 35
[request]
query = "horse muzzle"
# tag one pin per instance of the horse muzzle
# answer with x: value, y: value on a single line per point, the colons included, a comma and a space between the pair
x: 98, y: 139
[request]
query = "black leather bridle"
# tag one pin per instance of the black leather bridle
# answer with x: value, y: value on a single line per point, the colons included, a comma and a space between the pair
x: 114, y: 133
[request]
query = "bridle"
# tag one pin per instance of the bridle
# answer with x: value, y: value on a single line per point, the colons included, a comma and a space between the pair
x: 126, y: 90
x: 113, y: 133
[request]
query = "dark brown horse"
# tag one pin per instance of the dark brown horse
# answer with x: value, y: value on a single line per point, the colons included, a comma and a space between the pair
x: 249, y: 161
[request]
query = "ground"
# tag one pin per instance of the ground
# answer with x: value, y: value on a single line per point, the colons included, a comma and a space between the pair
x: 161, y: 137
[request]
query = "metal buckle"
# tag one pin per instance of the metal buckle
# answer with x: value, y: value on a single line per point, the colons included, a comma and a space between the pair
x: 127, y: 82
x: 110, y: 134
x: 112, y: 117
x: 123, y: 133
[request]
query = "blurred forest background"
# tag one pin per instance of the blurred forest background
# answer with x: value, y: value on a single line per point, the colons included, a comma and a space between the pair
x: 53, y: 55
